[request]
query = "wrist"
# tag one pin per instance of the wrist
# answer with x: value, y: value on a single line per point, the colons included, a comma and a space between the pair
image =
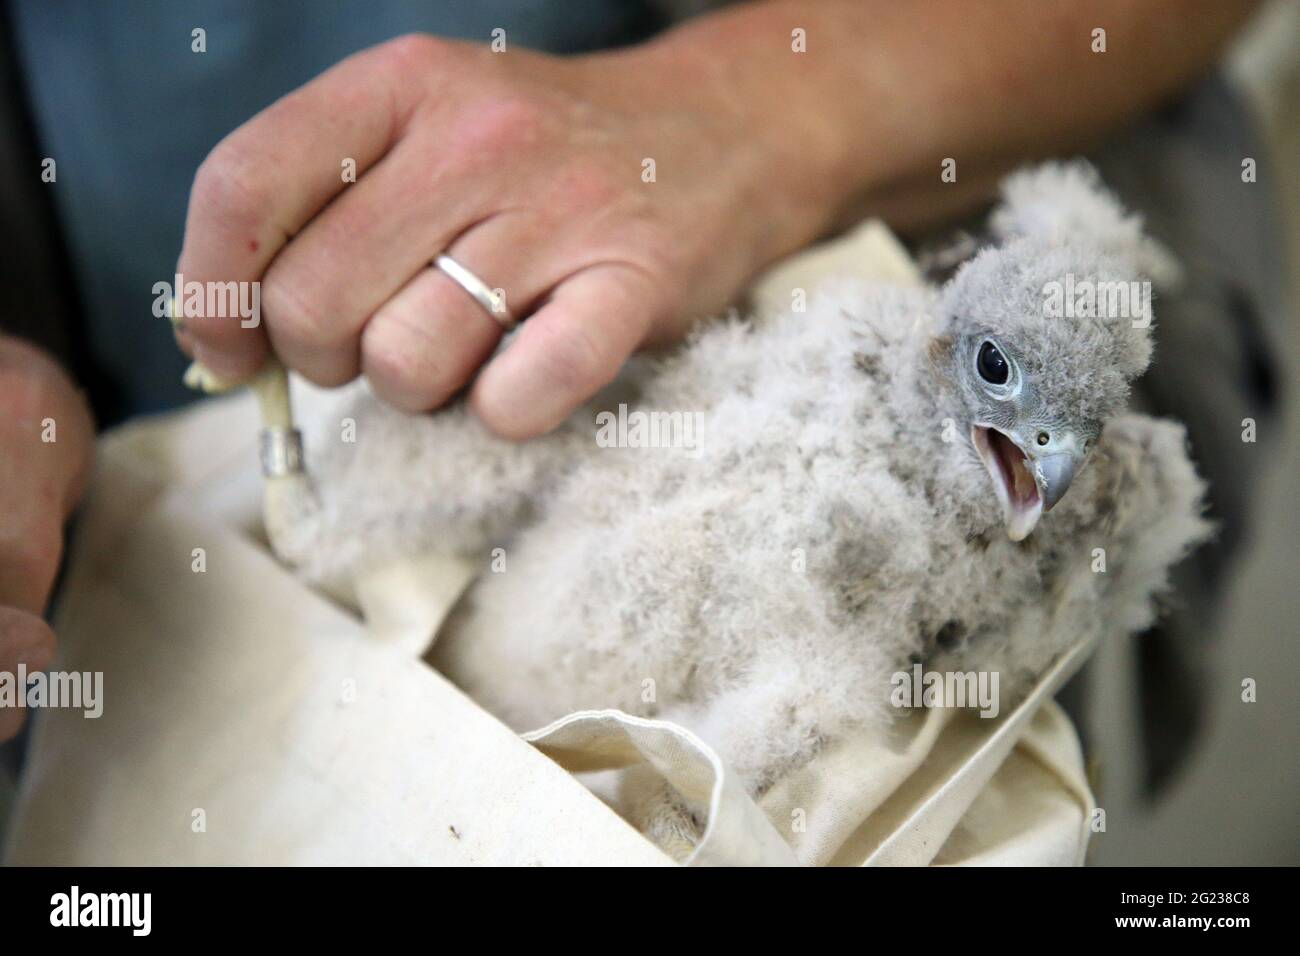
x: 781, y: 128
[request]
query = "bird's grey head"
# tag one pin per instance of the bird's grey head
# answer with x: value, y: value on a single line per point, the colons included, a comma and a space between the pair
x: 1042, y: 334
x: 1034, y: 368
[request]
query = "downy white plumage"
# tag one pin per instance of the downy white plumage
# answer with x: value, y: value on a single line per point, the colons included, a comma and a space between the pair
x: 897, y: 474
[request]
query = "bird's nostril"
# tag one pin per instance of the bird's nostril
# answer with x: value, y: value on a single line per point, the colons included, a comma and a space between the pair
x: 1043, y: 438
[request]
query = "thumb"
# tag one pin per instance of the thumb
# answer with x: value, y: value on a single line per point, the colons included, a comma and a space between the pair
x: 46, y: 442
x: 27, y: 640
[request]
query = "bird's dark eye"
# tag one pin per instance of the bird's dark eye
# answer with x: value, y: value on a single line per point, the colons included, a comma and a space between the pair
x: 992, y: 365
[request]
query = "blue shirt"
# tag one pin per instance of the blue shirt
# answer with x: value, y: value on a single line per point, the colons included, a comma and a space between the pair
x: 128, y: 111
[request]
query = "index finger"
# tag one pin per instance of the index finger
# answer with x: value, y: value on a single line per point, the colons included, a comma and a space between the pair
x: 267, y: 179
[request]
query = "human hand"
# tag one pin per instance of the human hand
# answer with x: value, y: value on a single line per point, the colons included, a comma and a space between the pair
x: 46, y: 441
x: 528, y: 170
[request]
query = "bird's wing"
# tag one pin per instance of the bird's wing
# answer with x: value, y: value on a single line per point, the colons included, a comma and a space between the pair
x: 1151, y: 507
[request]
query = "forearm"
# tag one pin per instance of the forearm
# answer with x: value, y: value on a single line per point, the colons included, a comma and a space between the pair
x: 887, y: 90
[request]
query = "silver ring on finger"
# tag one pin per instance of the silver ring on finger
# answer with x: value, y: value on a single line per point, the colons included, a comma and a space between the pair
x: 492, y: 300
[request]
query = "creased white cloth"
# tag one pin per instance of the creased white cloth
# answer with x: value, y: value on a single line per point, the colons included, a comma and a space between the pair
x: 249, y: 719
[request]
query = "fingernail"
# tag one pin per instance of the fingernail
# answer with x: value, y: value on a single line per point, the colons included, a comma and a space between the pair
x: 213, y: 361
x: 184, y: 341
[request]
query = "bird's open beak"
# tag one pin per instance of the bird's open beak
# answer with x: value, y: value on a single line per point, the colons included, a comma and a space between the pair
x: 1026, y: 484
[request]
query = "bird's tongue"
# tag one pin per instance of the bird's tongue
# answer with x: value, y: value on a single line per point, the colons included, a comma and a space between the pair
x: 1019, y: 482
x: 1013, y: 481
x: 1024, y: 491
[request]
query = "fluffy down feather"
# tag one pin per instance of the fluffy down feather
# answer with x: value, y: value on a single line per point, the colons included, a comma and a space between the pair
x: 834, y: 524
